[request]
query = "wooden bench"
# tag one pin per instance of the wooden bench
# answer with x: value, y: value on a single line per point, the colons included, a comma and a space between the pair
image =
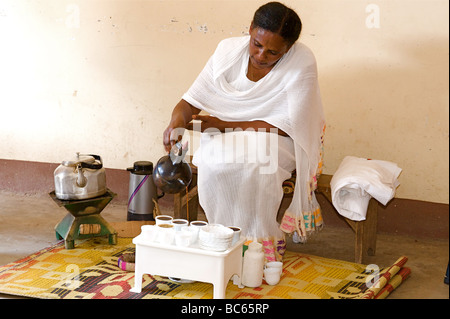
x: 365, y: 231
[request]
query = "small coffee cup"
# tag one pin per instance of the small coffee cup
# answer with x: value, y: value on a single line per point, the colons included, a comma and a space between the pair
x: 183, y: 238
x: 149, y: 232
x: 166, y: 234
x: 163, y: 219
x: 179, y: 223
x: 193, y: 231
x: 198, y: 223
x: 272, y: 276
x: 276, y: 265
x: 236, y: 234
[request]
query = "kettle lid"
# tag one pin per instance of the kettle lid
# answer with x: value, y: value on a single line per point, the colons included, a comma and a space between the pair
x: 141, y: 168
x: 86, y: 160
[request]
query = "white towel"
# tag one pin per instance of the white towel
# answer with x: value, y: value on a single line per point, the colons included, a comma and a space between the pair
x: 357, y: 180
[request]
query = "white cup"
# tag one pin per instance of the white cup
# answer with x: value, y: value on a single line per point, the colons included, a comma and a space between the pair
x: 236, y: 234
x: 198, y: 223
x: 272, y: 276
x: 179, y: 223
x: 163, y: 219
x: 276, y: 265
x: 183, y: 238
x: 193, y: 231
x: 165, y: 234
x: 149, y: 232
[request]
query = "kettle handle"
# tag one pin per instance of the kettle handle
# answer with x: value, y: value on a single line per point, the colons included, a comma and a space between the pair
x: 93, y: 166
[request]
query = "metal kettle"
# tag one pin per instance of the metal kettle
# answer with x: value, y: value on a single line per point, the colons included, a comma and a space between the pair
x: 80, y: 178
x: 172, y: 174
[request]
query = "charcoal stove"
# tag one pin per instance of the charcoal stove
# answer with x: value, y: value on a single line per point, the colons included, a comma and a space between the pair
x: 83, y: 219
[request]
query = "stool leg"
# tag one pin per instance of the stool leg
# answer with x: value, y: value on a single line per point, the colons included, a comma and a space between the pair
x: 359, y: 233
x: 137, y: 283
x: 366, y: 234
x: 370, y: 240
x: 137, y: 274
x: 219, y: 289
x: 112, y: 239
x: 58, y: 236
x: 69, y: 244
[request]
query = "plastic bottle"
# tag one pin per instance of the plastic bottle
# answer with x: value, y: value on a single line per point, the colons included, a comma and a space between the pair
x: 253, y: 266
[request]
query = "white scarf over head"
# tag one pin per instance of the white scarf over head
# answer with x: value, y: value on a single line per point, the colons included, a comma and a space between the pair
x: 288, y: 97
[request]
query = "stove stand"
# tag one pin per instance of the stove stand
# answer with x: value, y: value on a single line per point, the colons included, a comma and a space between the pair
x: 84, y: 220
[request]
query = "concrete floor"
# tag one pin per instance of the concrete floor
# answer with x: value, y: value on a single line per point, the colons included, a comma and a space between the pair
x: 27, y: 224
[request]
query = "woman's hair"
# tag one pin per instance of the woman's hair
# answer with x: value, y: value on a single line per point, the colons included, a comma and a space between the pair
x: 277, y: 18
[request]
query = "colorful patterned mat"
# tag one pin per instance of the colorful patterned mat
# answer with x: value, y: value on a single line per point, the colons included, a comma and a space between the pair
x: 90, y: 271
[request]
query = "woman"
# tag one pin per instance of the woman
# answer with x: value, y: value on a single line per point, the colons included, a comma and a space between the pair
x: 265, y: 120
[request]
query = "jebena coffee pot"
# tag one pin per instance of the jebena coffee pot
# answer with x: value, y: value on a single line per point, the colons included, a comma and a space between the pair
x: 172, y: 174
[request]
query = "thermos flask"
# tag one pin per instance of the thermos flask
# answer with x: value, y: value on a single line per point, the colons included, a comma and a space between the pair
x: 142, y: 192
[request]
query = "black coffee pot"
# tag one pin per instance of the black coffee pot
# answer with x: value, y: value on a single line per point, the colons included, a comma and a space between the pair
x: 172, y: 174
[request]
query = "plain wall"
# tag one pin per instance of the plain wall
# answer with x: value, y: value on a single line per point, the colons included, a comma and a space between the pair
x: 102, y: 77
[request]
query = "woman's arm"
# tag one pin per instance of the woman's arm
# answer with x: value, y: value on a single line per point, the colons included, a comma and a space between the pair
x: 213, y: 122
x: 181, y: 116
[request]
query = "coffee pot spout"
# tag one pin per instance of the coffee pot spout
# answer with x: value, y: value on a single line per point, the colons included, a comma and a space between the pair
x: 81, y: 180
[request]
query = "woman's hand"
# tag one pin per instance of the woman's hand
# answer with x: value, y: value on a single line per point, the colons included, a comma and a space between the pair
x: 181, y: 116
x: 173, y: 133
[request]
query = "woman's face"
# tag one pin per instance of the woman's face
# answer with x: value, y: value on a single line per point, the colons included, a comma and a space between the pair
x: 266, y: 48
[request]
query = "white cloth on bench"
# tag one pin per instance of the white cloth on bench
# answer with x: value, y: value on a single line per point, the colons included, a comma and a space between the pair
x: 359, y: 179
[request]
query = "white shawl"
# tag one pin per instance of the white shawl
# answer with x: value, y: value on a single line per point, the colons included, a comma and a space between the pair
x: 288, y: 97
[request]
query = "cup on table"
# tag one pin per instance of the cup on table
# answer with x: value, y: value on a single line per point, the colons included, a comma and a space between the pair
x: 183, y: 238
x: 198, y: 223
x: 149, y: 232
x: 275, y: 265
x: 166, y: 233
x: 192, y: 231
x: 163, y: 219
x: 272, y: 276
x: 179, y: 223
x: 195, y: 227
x: 236, y: 234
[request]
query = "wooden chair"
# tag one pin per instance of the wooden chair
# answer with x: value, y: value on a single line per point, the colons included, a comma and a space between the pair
x: 365, y: 231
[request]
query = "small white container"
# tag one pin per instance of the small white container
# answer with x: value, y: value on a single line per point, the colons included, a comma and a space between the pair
x: 253, y: 267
